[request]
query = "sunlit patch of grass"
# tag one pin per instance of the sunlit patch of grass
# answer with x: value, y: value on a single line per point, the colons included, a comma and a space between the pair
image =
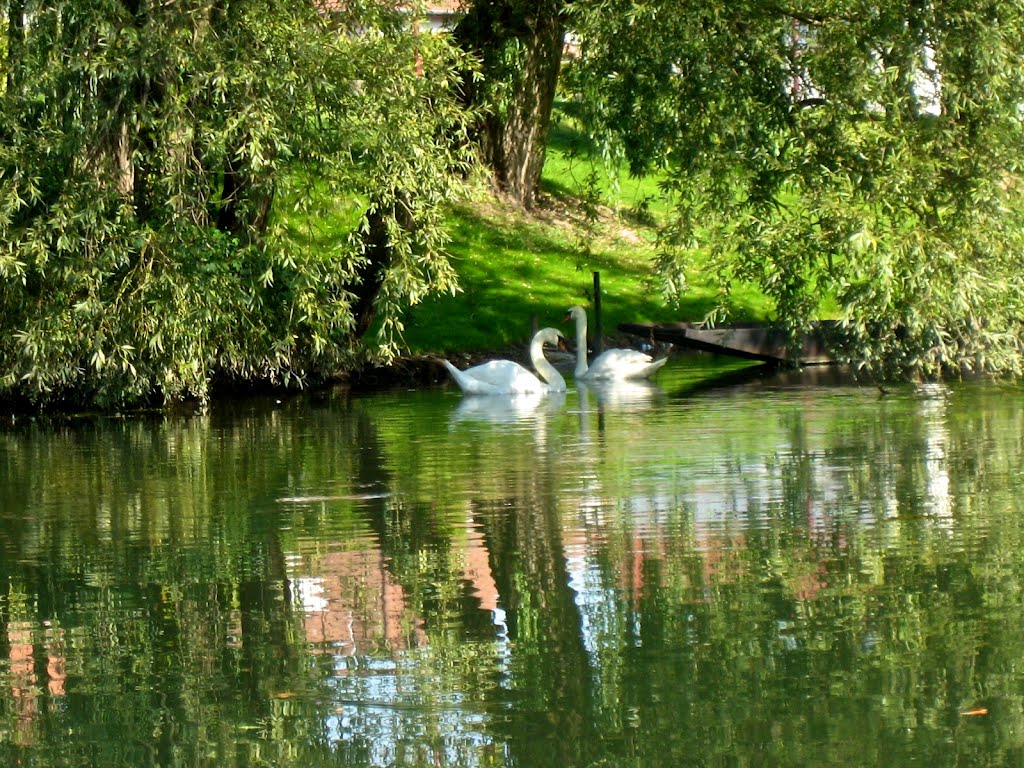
x: 570, y: 167
x: 514, y: 266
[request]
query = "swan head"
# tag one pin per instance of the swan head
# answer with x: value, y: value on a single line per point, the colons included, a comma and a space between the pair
x: 551, y: 336
x: 575, y: 313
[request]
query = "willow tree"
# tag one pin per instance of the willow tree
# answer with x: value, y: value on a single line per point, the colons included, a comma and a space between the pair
x: 165, y: 172
x: 859, y: 160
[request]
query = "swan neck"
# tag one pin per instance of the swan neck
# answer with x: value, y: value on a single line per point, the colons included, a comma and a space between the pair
x: 581, y: 344
x: 546, y: 370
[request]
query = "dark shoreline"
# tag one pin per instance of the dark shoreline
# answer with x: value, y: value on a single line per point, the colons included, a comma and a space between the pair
x: 405, y: 372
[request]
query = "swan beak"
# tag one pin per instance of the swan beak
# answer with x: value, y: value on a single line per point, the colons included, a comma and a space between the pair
x: 562, y: 346
x: 567, y: 318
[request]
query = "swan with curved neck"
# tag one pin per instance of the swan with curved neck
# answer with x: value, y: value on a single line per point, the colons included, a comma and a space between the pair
x: 505, y: 377
x: 613, y: 364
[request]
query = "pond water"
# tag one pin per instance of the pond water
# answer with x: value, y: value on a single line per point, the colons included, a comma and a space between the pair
x: 774, y: 571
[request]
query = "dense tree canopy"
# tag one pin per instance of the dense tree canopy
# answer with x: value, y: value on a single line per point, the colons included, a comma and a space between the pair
x: 859, y: 159
x: 251, y: 190
x: 164, y: 169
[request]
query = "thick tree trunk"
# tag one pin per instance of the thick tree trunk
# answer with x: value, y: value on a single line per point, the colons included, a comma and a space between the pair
x: 379, y: 256
x: 524, y: 138
x: 514, y: 135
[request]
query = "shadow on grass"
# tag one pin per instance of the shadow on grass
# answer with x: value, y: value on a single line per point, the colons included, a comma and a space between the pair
x: 509, y: 276
x: 513, y: 268
x: 512, y: 273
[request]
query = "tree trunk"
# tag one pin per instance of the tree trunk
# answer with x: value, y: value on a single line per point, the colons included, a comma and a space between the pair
x: 524, y: 138
x: 379, y: 256
x: 245, y: 204
x: 514, y: 135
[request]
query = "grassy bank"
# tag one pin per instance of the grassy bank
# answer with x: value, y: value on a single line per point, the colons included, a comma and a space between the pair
x: 513, y: 266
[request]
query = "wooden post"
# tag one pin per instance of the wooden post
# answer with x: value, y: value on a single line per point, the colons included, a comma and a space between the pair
x: 598, y: 328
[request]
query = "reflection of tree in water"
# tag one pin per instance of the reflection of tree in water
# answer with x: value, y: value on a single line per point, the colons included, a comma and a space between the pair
x: 824, y: 619
x: 140, y: 543
x: 550, y: 672
x: 513, y: 548
x: 782, y: 601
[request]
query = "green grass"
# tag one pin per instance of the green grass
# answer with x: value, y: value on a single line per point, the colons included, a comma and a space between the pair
x: 513, y: 266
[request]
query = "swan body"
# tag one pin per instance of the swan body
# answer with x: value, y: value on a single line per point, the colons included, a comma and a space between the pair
x: 505, y: 377
x: 612, y: 364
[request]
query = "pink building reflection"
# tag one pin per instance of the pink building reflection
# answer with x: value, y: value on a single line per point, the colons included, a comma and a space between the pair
x: 354, y: 606
x: 26, y: 689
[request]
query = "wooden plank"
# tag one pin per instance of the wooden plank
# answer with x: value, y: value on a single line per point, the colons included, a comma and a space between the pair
x: 749, y: 341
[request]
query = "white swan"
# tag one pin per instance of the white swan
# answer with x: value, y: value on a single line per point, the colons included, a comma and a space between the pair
x: 615, y: 364
x: 505, y: 377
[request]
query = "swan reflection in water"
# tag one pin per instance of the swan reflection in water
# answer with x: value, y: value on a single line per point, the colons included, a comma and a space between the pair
x: 623, y: 397
x: 618, y: 395
x: 507, y: 409
x: 593, y: 395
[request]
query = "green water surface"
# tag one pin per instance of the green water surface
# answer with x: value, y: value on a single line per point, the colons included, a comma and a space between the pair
x: 766, y: 572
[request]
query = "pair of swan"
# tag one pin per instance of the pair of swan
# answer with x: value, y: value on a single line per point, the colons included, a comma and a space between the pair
x: 505, y: 377
x: 612, y: 364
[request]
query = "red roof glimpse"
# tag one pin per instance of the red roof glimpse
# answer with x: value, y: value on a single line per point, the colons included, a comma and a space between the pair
x: 451, y: 6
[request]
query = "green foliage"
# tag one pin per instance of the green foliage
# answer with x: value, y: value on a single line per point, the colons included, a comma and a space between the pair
x: 861, y: 156
x: 513, y: 266
x: 145, y: 154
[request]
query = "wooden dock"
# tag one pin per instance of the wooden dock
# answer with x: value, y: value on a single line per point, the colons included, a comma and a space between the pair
x: 750, y: 341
